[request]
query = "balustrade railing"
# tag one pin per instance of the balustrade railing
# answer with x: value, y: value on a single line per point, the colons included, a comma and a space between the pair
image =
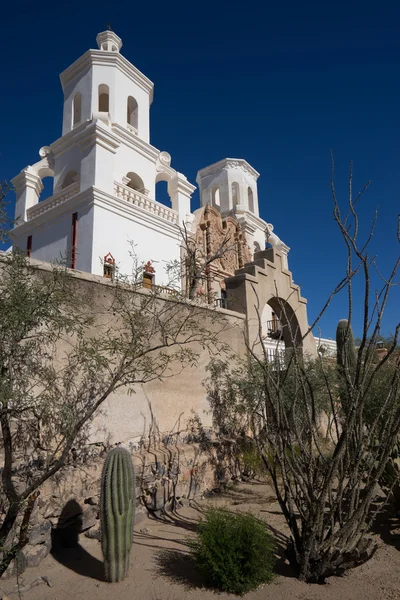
x: 274, y: 329
x: 121, y: 191
x: 159, y: 289
x: 138, y: 199
x: 53, y: 201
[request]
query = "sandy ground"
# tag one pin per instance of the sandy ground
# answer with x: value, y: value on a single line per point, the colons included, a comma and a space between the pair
x: 161, y: 568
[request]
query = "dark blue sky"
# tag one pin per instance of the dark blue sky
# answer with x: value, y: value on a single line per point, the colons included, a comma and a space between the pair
x: 276, y: 83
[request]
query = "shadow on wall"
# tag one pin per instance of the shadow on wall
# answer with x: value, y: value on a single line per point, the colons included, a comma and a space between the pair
x: 65, y: 544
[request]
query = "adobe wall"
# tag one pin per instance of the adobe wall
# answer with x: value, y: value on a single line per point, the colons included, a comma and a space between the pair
x: 162, y: 406
x: 166, y: 405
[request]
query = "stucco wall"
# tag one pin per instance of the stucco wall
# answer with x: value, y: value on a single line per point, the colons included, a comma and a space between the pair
x: 113, y: 231
x: 165, y: 405
x: 130, y: 160
x: 120, y: 87
x: 53, y: 243
x: 84, y: 86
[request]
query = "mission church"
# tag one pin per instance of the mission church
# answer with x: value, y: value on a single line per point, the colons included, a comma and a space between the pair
x: 105, y: 173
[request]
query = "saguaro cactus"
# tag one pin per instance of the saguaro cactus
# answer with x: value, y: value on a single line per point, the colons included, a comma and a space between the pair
x: 346, y: 350
x: 117, y: 511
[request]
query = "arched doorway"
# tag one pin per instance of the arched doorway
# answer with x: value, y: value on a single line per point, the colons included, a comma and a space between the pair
x: 264, y: 291
x: 280, y: 330
x: 283, y: 323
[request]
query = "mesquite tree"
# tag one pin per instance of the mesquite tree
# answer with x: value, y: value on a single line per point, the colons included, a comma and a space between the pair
x: 325, y: 493
x: 65, y: 347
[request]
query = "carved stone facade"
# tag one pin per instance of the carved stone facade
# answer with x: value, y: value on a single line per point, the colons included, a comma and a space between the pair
x: 212, y: 232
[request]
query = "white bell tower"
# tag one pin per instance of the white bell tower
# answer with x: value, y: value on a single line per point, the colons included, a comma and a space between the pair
x: 230, y: 186
x: 104, y: 84
x: 105, y: 174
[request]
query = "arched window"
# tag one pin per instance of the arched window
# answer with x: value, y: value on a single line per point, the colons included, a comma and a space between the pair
x: 76, y: 109
x: 162, y: 193
x: 216, y: 201
x: 70, y: 178
x: 250, y: 198
x: 47, y: 187
x: 104, y: 98
x: 46, y: 174
x: 135, y: 182
x: 235, y: 194
x: 132, y: 112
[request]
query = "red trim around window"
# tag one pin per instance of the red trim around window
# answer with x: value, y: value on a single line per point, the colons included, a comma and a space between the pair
x: 29, y: 246
x: 74, y: 238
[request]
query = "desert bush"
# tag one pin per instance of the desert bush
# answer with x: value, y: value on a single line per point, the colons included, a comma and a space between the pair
x: 326, y: 494
x: 253, y: 465
x: 235, y: 552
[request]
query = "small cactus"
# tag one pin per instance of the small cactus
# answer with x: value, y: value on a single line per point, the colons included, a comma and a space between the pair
x: 117, y: 512
x: 346, y: 350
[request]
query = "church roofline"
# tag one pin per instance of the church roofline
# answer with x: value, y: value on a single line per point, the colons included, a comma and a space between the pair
x: 230, y: 163
x: 99, y: 57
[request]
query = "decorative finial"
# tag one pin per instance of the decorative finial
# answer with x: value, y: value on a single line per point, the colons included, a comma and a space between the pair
x: 109, y: 41
x: 108, y: 25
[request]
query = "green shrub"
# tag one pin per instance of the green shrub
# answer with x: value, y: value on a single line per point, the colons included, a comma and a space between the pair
x: 235, y: 552
x: 253, y: 464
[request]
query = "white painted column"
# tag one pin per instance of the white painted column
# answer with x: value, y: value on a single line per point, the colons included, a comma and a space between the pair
x: 180, y: 191
x: 28, y: 186
x: 98, y: 149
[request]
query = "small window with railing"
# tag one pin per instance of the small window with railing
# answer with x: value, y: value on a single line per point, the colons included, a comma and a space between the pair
x: 274, y: 327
